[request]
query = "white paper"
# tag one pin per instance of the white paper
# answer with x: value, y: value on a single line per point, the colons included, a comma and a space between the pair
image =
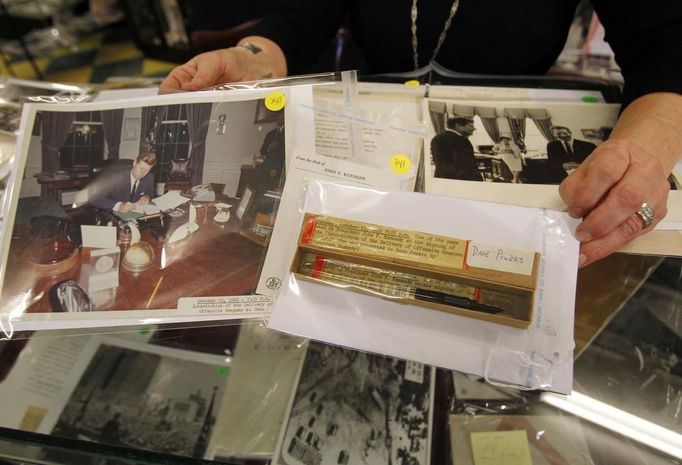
x: 300, y: 138
x: 112, y: 95
x: 170, y: 200
x: 285, y: 234
x: 36, y: 379
x: 513, y: 93
x: 494, y: 257
x: 568, y: 95
x: 147, y: 209
x: 381, y: 123
x: 540, y: 356
x: 98, y: 236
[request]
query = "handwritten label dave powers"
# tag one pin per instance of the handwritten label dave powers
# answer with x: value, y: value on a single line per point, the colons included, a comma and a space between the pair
x: 498, y: 258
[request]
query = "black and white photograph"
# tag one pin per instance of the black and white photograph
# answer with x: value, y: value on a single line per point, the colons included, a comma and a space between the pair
x: 136, y: 395
x: 118, y: 201
x: 356, y: 408
x: 513, y: 142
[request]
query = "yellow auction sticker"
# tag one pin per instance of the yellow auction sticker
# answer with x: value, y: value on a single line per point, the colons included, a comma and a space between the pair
x: 400, y: 163
x: 412, y: 83
x: 275, y: 101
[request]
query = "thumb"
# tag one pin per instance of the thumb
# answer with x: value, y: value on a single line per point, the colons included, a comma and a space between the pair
x: 208, y: 71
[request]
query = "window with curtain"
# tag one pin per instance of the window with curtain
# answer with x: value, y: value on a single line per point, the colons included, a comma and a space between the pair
x: 84, y: 145
x: 173, y: 140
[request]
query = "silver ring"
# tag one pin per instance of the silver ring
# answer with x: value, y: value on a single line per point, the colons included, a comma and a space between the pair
x: 646, y: 214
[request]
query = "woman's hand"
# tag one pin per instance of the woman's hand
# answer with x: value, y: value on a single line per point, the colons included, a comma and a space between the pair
x: 228, y: 65
x: 623, y: 173
x: 607, y: 189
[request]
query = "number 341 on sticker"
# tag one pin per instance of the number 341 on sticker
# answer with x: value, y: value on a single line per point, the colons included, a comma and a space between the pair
x: 275, y: 101
x: 400, y: 163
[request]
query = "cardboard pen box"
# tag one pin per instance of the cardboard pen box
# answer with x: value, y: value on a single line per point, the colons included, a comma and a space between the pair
x: 465, y: 277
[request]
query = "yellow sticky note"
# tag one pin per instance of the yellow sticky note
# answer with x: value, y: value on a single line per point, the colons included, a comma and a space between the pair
x: 275, y: 101
x: 33, y: 417
x: 412, y: 83
x: 501, y: 448
x: 400, y: 163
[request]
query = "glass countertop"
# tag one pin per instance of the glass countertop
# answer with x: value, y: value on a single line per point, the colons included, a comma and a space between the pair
x: 237, y: 392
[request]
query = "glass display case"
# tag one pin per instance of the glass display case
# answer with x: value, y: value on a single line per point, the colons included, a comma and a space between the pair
x: 237, y: 392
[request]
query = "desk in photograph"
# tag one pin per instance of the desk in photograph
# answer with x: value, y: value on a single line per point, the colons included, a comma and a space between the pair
x: 255, y: 177
x: 214, y: 261
x: 51, y: 186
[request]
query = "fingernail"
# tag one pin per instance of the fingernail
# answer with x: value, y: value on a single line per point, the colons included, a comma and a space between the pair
x: 582, y: 259
x: 575, y: 212
x: 583, y: 236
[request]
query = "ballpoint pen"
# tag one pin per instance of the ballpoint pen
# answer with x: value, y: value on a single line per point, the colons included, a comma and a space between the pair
x: 401, y: 285
x: 455, y: 301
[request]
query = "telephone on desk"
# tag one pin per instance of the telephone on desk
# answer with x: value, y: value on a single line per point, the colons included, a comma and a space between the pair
x: 222, y: 213
x: 200, y: 193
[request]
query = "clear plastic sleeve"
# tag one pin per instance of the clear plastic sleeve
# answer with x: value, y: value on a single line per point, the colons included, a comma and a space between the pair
x: 357, y: 407
x: 13, y: 94
x: 484, y: 247
x: 378, y: 126
x: 218, y: 391
x: 220, y: 167
x: 300, y: 80
x: 193, y: 243
x: 537, y: 438
x: 625, y: 382
x: 352, y: 120
x: 20, y: 91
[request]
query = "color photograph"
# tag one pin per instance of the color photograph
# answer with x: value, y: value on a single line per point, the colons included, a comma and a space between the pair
x: 119, y: 201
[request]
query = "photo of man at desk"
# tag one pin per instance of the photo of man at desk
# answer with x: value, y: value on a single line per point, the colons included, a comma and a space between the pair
x: 144, y: 203
x: 125, y: 191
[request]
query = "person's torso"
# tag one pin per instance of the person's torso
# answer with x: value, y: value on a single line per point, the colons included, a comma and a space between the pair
x: 486, y: 36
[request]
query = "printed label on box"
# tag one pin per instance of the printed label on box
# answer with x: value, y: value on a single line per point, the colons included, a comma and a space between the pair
x: 383, y: 241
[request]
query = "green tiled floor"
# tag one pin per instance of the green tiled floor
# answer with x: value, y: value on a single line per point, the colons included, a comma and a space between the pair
x: 96, y: 57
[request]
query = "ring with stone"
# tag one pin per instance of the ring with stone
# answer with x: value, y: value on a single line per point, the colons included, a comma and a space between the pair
x: 646, y: 214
